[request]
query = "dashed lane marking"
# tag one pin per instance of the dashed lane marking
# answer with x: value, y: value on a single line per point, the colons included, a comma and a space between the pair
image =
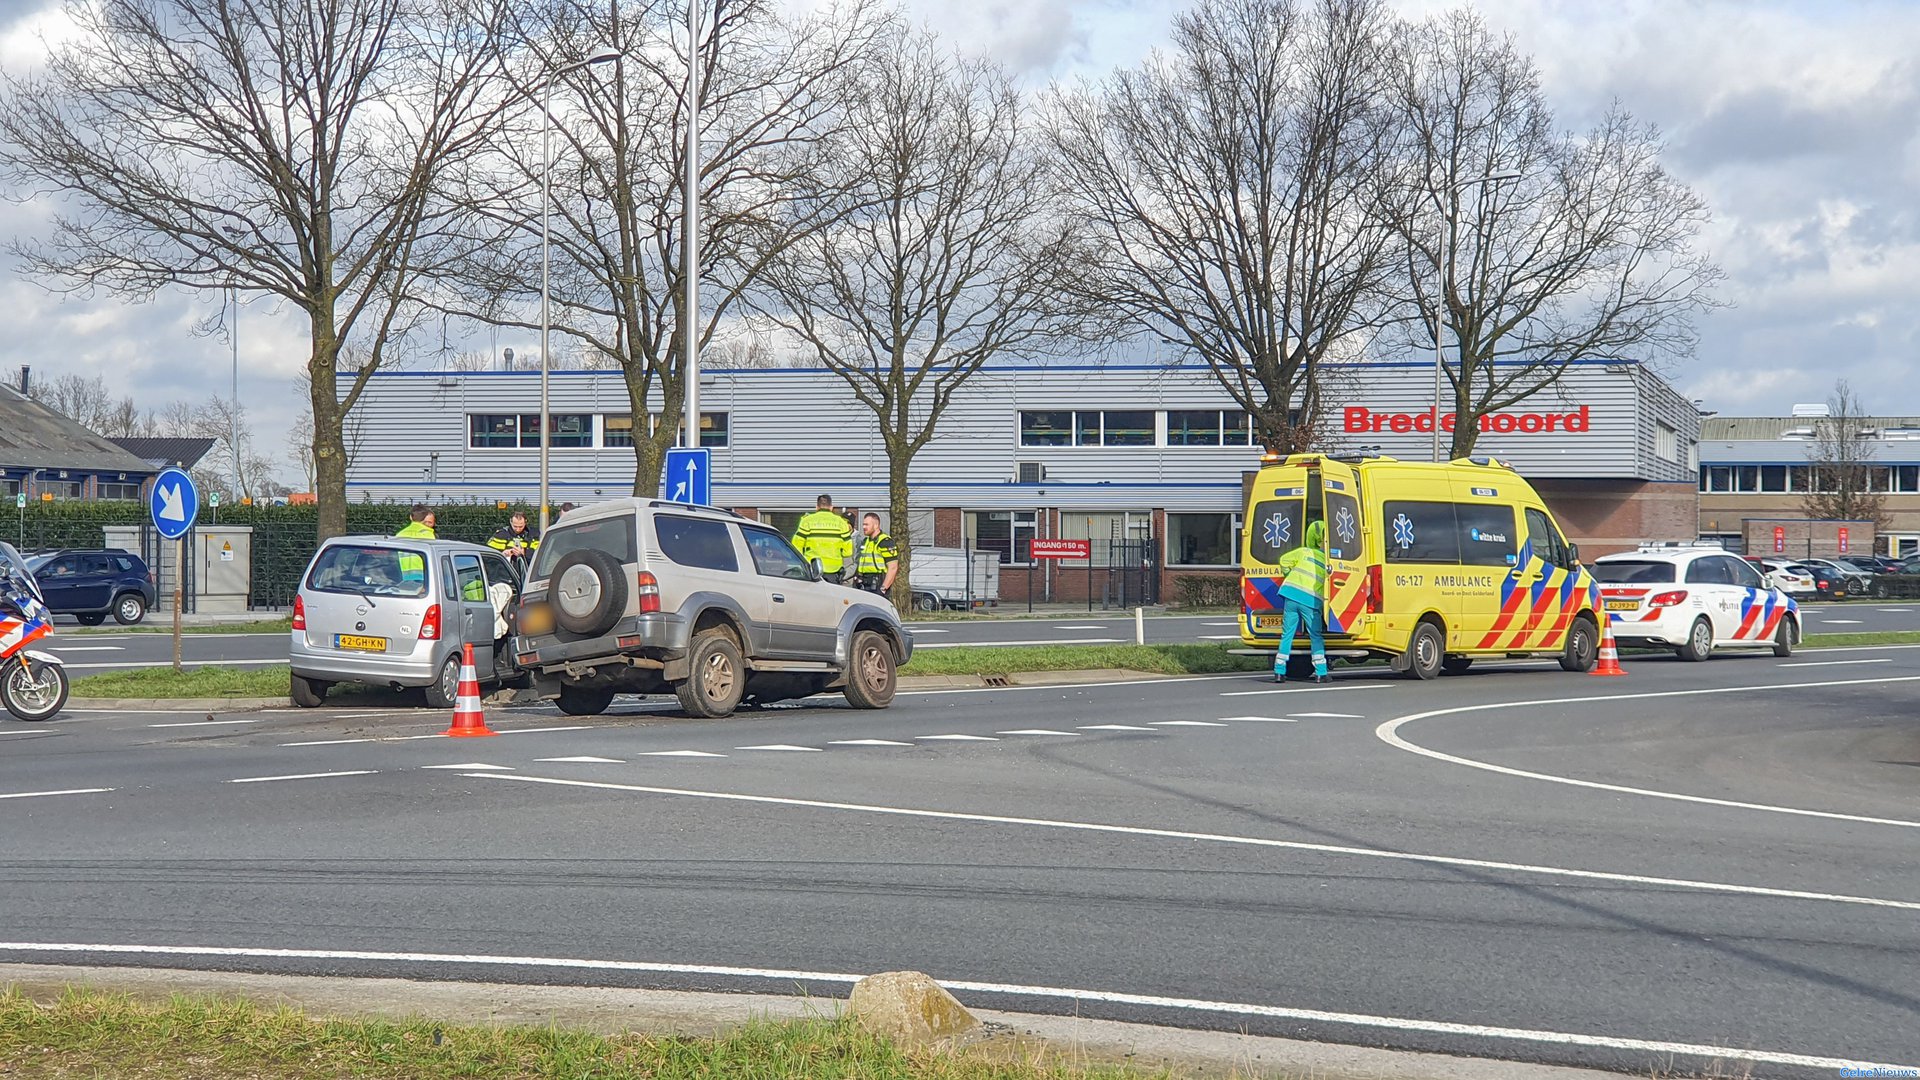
x: 1329, y: 715
x: 303, y: 776
x: 996, y: 644
x: 1389, y: 734
x: 31, y: 731
x: 1707, y: 1052
x: 1386, y: 854
x: 84, y: 648
x: 1219, y: 624
x: 67, y: 791
x: 1187, y: 723
x: 1841, y: 622
x: 1035, y: 731
x: 586, y: 760
x: 205, y: 723
x: 867, y: 742
x: 1113, y: 727
x: 1026, y: 687
x: 1218, y: 637
x: 538, y: 730
x: 326, y: 742
x: 956, y: 738
x: 1294, y: 690
x: 1834, y: 663
x: 1260, y: 719
x: 473, y: 765
x: 679, y: 753
x: 783, y: 746
x: 1080, y: 627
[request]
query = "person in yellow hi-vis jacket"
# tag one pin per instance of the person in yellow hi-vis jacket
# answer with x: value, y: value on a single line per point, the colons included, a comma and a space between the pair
x: 419, y: 527
x: 1301, y: 593
x: 826, y: 536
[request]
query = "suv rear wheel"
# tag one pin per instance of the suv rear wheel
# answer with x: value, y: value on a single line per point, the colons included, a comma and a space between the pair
x: 130, y: 608
x: 870, y: 677
x: 716, y: 676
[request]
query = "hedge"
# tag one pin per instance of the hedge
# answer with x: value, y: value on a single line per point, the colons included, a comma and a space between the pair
x: 1207, y: 590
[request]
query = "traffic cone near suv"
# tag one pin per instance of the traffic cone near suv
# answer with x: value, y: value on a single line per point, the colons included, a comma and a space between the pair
x: 468, y: 717
x: 1609, y: 663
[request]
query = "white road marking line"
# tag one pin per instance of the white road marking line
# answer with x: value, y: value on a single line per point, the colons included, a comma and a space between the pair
x: 1101, y: 627
x: 1389, y: 734
x: 1218, y: 637
x: 1187, y: 723
x: 584, y: 760
x: 1219, y: 624
x: 84, y: 648
x: 1035, y: 731
x: 1841, y: 622
x: 473, y: 765
x: 1394, y: 1023
x: 359, y: 715
x: 326, y: 742
x: 205, y: 723
x: 1112, y: 727
x: 68, y: 791
x: 783, y: 746
x: 1245, y: 676
x: 414, y: 738
x: 1294, y: 690
x: 303, y: 776
x: 1328, y: 715
x: 679, y: 753
x: 1895, y: 610
x: 996, y: 644
x: 1387, y: 854
x: 1835, y: 663
x: 957, y: 738
x: 867, y: 742
x: 30, y: 731
x: 538, y: 730
x: 1260, y: 719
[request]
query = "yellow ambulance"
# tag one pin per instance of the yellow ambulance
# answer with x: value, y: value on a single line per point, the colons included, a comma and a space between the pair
x: 1430, y: 564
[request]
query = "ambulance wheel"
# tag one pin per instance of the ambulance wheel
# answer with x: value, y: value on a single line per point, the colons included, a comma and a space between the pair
x: 1426, y: 652
x: 1699, y: 644
x: 1455, y: 665
x: 1583, y: 650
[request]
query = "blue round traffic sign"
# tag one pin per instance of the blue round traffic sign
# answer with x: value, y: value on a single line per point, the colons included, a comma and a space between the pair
x: 173, y: 503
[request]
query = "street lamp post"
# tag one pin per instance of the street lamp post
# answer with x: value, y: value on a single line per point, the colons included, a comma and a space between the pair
x: 1442, y: 265
x: 690, y: 250
x: 599, y: 56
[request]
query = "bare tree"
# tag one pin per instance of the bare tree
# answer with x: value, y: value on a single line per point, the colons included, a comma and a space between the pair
x: 92, y: 405
x: 281, y: 146
x: 943, y: 255
x: 619, y: 177
x: 1229, y: 187
x: 1537, y: 249
x: 1840, y: 464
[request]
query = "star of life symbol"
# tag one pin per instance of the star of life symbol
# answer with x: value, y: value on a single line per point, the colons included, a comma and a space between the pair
x: 1403, y: 531
x: 1276, y: 530
x: 1343, y: 525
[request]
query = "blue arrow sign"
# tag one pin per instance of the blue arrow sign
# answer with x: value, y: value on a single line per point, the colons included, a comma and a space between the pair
x: 173, y: 503
x: 690, y: 475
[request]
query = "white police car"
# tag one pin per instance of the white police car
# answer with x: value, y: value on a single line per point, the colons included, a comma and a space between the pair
x: 1694, y: 598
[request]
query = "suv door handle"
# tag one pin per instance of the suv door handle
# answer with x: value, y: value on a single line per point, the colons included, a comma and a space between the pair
x: 778, y: 599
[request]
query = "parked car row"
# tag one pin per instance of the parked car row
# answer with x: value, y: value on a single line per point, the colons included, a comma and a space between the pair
x: 1837, y: 579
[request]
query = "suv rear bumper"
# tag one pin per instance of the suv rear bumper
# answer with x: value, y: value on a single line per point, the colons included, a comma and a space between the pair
x: 660, y: 635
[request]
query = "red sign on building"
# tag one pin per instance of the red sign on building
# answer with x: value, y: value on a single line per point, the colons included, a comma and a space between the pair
x: 1062, y: 549
x: 1843, y: 539
x: 1779, y: 539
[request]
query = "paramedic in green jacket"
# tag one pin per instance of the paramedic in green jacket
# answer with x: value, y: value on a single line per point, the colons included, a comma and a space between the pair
x: 1300, y: 598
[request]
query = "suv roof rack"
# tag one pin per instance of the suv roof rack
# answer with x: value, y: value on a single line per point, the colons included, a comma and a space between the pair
x: 667, y: 504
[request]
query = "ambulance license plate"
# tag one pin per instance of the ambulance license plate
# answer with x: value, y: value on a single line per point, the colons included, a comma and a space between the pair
x: 1267, y: 622
x: 1623, y: 605
x: 359, y: 644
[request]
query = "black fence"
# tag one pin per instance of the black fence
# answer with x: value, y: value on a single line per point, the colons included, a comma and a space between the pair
x: 1132, y: 574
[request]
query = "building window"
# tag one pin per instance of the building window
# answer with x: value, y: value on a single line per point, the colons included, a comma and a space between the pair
x: 713, y: 429
x: 1130, y: 530
x: 486, y: 431
x: 1666, y: 442
x: 570, y: 430
x: 59, y: 489
x: 617, y: 429
x: 1046, y: 429
x: 1906, y: 479
x: 1208, y: 427
x: 1009, y: 532
x: 1203, y: 539
x: 119, y: 491
x: 1132, y: 428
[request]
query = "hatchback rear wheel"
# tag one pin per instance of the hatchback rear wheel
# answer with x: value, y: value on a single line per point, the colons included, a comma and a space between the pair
x: 445, y: 689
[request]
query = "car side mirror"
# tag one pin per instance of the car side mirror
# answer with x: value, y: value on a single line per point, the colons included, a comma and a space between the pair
x: 814, y: 573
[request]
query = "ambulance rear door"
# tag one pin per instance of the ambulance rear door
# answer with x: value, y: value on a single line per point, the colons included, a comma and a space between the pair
x: 1275, y: 521
x: 1333, y: 496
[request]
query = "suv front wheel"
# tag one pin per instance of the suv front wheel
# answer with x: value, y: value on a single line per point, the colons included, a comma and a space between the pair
x: 716, y: 676
x: 870, y: 678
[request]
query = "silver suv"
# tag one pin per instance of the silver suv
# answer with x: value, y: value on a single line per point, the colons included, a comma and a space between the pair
x: 635, y: 596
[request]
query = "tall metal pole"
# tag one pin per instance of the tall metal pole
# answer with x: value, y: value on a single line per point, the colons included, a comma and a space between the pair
x: 234, y: 414
x: 546, y: 267
x: 690, y: 247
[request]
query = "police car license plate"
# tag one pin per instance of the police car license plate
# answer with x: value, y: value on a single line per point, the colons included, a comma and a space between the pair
x: 1623, y: 605
x: 359, y: 643
x: 1267, y: 622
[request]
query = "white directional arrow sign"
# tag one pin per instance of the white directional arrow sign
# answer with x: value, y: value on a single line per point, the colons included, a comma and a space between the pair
x: 174, y: 503
x: 171, y: 508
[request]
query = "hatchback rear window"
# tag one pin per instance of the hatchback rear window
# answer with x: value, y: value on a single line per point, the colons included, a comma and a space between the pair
x: 1634, y: 572
x: 368, y: 570
x: 611, y: 535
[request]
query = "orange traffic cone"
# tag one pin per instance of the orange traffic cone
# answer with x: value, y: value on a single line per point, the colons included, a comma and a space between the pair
x: 468, y: 719
x: 1609, y: 663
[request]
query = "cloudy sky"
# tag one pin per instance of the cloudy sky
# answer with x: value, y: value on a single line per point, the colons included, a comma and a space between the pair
x: 1799, y: 122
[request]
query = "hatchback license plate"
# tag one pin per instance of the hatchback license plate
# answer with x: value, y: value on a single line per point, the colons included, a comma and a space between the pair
x: 1623, y: 605
x: 359, y: 644
x: 1268, y: 622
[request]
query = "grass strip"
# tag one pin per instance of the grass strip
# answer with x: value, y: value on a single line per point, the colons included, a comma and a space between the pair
x: 161, y: 622
x: 1875, y: 637
x: 208, y: 681
x: 87, y: 1033
x: 1200, y: 659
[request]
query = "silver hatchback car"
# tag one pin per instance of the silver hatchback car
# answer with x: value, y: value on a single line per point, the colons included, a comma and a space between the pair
x: 396, y: 612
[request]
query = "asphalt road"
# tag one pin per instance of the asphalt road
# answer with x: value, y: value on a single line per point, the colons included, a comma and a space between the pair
x: 1515, y: 862
x: 89, y: 653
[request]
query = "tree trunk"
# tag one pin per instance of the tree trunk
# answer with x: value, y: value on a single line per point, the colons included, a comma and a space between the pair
x: 1466, y: 426
x: 329, y: 444
x: 650, y: 445
x: 897, y: 462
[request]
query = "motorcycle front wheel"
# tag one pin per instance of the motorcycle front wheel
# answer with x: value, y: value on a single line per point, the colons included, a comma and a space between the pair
x: 35, y: 696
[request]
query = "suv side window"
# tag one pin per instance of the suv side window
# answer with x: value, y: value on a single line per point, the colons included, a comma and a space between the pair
x: 773, y: 556
x: 696, y: 542
x: 125, y: 564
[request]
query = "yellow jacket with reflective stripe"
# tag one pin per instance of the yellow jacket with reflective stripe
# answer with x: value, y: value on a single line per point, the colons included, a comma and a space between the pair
x: 876, y: 552
x: 826, y: 536
x: 411, y: 565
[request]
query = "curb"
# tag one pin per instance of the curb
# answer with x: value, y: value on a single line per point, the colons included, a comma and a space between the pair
x: 178, y: 704
x: 1027, y: 1037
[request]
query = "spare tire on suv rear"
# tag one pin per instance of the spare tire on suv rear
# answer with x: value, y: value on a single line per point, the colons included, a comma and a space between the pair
x: 588, y: 591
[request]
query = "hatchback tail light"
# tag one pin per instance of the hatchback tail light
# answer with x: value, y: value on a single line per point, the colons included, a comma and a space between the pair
x: 1374, y: 579
x: 647, y: 588
x: 430, y: 624
x: 1667, y: 599
x: 299, y: 613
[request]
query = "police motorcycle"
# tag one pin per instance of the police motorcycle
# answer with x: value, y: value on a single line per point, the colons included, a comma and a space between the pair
x: 33, y: 685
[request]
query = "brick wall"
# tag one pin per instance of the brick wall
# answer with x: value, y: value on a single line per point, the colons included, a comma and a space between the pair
x: 1605, y: 516
x: 1800, y: 538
